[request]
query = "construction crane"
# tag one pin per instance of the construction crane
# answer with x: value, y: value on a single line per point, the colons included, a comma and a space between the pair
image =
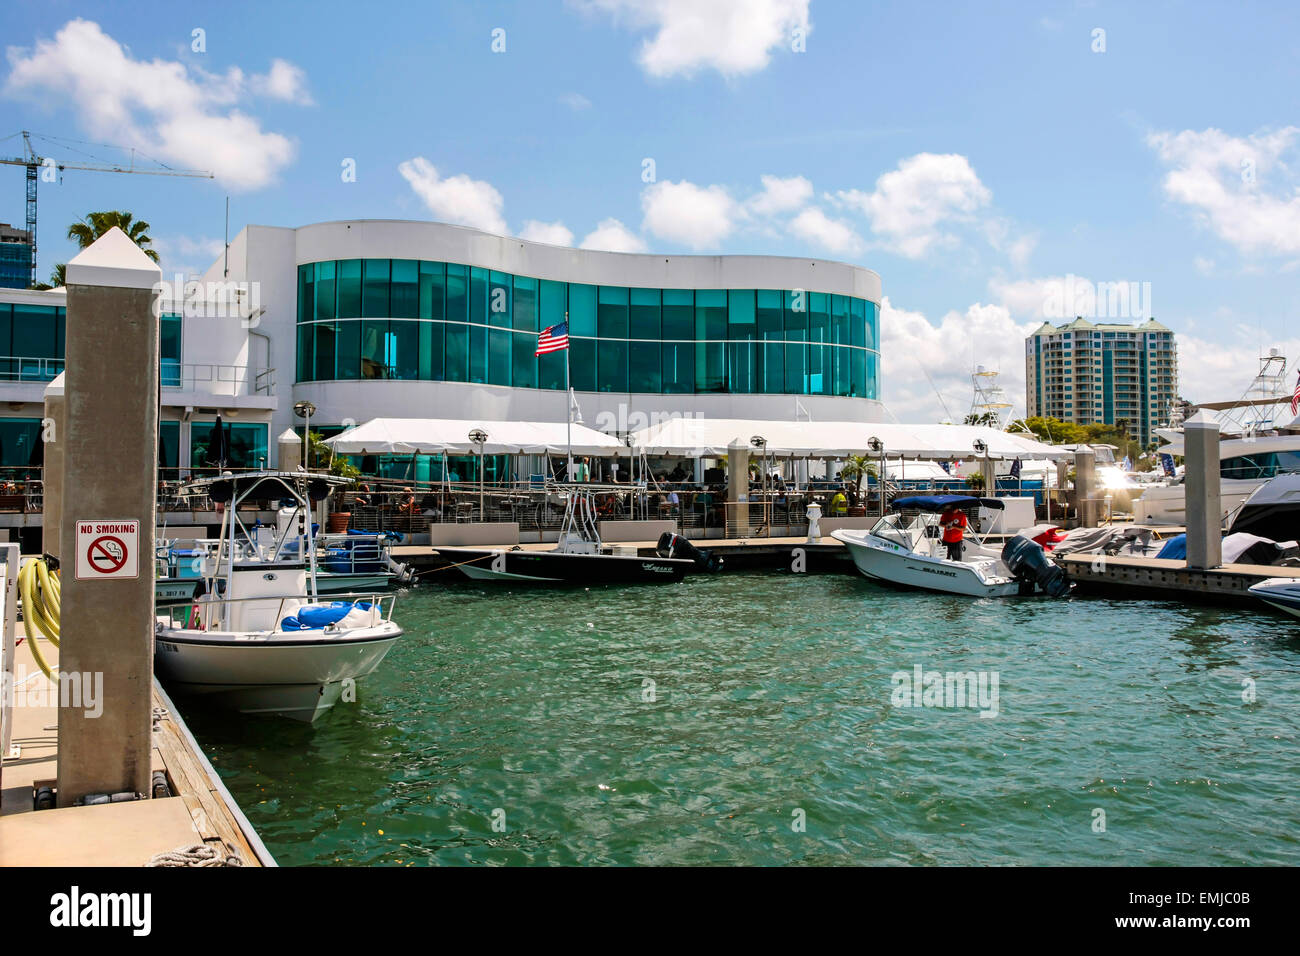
x: 35, y: 162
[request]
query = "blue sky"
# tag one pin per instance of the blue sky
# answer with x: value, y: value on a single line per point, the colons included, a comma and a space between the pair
x: 973, y: 155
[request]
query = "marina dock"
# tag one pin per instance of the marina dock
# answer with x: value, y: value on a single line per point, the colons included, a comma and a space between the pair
x: 1134, y: 577
x: 130, y: 833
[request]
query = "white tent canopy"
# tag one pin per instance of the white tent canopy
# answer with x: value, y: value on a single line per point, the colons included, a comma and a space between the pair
x: 436, y: 436
x: 709, y: 437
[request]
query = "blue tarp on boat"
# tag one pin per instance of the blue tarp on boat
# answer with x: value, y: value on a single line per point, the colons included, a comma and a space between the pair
x: 939, y: 502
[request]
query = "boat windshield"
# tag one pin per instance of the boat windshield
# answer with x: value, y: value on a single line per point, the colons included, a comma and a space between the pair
x: 894, y: 527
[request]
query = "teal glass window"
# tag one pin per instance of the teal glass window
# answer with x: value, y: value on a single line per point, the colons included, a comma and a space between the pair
x: 405, y: 290
x: 433, y: 291
x: 434, y: 321
x: 644, y: 373
x: 499, y: 300
x: 457, y: 349
x: 611, y: 313
x: 169, y: 445
x: 169, y: 350
x: 523, y: 373
x: 499, y: 356
x: 326, y: 290
x: 307, y: 292
x: 247, y: 444
x: 612, y: 365
x: 326, y: 350
x: 678, y: 315
x: 525, y: 305
x: 20, y: 442
x: 432, y: 340
x: 582, y: 309
x: 678, y: 367
x: 457, y: 293
x: 374, y: 289
x: 349, y: 290
x: 582, y: 359
x: 644, y: 320
x: 554, y: 302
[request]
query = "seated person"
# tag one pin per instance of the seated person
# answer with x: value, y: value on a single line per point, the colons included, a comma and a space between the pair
x: 361, y: 497
x: 839, y: 505
x: 406, y: 503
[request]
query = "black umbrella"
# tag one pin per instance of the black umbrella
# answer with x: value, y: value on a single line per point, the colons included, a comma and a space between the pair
x: 218, y: 445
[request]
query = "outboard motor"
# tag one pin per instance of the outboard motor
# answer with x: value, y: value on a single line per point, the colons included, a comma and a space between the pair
x: 675, y: 546
x: 1028, y: 562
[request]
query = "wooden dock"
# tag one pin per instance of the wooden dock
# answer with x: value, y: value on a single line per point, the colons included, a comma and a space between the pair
x: 201, y: 811
x: 1166, y: 579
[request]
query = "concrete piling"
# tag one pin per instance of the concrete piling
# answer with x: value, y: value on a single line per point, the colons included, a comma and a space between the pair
x: 1204, y: 509
x: 110, y: 467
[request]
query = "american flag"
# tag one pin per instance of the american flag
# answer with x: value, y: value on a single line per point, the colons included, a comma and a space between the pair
x: 1295, y: 396
x: 553, y: 339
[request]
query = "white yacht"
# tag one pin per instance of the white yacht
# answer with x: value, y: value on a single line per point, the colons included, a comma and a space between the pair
x: 1281, y: 593
x: 257, y: 637
x: 909, y: 552
x: 1258, y: 442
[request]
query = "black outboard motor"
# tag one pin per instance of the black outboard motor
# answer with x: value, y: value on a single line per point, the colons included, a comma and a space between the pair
x: 1029, y: 563
x: 675, y: 546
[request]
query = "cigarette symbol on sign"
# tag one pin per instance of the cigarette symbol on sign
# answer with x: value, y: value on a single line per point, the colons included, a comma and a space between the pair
x: 107, y: 554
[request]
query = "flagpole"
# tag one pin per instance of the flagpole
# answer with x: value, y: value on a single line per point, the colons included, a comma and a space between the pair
x: 568, y: 401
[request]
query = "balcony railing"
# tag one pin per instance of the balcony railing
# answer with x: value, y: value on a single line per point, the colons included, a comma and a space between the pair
x: 225, y: 380
x: 17, y: 368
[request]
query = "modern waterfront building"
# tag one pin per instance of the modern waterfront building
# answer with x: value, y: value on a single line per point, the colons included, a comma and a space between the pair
x: 370, y: 319
x: 15, y: 257
x: 1088, y: 373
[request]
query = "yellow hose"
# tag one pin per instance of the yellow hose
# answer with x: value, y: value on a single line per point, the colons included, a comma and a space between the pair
x: 41, y: 602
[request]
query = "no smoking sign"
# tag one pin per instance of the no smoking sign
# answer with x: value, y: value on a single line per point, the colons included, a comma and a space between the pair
x: 108, y: 549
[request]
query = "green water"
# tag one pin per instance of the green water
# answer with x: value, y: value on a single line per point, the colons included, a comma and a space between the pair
x: 771, y: 702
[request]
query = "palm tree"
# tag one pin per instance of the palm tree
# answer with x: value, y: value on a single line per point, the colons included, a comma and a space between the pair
x: 858, y: 467
x: 59, y: 275
x: 95, y: 224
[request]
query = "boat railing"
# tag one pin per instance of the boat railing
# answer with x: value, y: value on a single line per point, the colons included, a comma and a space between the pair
x: 210, y: 606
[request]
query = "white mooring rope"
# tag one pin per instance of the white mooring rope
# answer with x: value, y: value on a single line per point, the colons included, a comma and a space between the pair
x: 200, y: 854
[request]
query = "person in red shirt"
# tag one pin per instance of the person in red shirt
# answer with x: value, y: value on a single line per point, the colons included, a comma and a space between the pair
x: 953, y: 522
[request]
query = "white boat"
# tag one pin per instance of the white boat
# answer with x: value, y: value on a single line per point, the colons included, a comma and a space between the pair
x: 1245, y: 464
x: 258, y: 638
x: 1257, y: 443
x: 908, y: 551
x: 1281, y: 593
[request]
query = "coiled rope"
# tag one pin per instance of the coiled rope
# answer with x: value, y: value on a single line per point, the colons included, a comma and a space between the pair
x: 200, y: 854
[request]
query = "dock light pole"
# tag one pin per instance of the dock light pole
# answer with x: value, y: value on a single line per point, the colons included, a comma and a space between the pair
x: 305, y: 410
x: 478, y: 436
x: 760, y: 443
x: 875, y: 445
x: 982, y: 449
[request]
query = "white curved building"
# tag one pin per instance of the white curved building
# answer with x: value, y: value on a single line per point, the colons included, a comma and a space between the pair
x: 422, y: 319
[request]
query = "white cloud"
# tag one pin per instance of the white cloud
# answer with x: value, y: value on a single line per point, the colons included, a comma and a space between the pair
x: 833, y: 235
x: 1203, y: 265
x: 1061, y: 298
x: 734, y: 37
x: 185, y: 117
x: 188, y: 255
x: 910, y: 204
x: 696, y: 216
x: 780, y: 195
x: 1240, y: 187
x: 554, y: 233
x: 284, y: 81
x: 457, y: 199
x: 611, y: 235
x: 913, y: 347
x: 575, y: 101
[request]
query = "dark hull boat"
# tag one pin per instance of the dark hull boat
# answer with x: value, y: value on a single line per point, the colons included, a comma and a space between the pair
x: 559, y: 567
